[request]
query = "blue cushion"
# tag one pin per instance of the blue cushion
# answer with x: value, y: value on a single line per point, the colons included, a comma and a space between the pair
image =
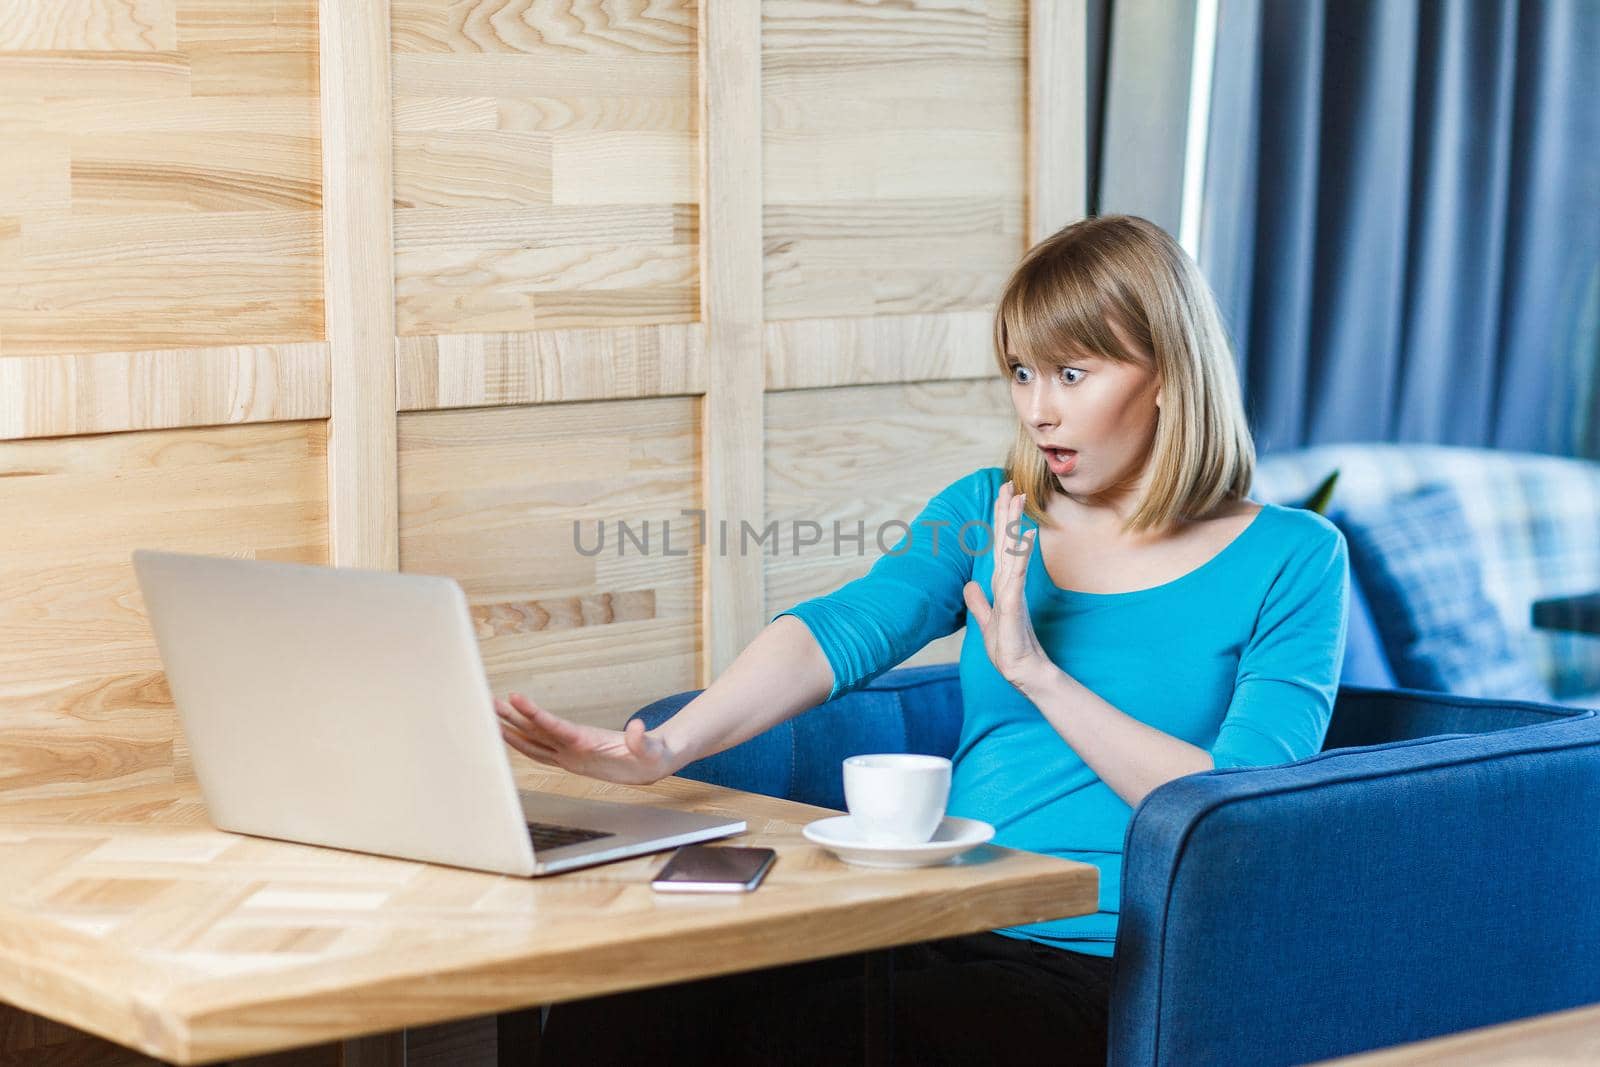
x: 1364, y: 660
x: 1416, y: 560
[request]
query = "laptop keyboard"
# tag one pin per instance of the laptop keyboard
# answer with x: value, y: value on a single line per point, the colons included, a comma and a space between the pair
x: 549, y: 835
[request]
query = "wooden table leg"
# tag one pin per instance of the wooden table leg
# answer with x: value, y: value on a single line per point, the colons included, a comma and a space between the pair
x: 878, y: 1004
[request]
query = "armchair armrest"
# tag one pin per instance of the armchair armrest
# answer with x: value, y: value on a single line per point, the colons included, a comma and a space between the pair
x: 1364, y: 897
x: 910, y: 709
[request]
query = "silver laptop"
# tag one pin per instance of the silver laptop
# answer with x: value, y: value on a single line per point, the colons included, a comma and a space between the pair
x: 347, y: 707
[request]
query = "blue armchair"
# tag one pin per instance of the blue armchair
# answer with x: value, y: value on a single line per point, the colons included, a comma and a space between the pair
x: 1433, y: 869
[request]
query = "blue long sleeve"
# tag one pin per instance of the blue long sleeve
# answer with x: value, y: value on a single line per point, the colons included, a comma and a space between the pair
x: 910, y: 596
x: 1288, y: 674
x: 1240, y: 657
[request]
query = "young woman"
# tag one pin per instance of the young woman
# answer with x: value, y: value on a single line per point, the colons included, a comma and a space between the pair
x: 1135, y: 619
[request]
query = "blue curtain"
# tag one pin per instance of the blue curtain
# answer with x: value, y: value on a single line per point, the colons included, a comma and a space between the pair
x: 1402, y: 219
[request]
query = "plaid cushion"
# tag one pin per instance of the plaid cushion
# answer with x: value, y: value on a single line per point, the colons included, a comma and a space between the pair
x: 1534, y: 521
x: 1415, y: 557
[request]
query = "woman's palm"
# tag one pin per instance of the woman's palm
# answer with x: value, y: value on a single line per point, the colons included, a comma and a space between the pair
x: 631, y: 756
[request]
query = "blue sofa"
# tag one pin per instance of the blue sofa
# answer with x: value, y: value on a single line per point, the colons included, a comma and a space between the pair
x: 1433, y: 869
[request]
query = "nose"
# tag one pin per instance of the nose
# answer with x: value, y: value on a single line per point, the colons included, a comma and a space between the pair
x: 1042, y: 403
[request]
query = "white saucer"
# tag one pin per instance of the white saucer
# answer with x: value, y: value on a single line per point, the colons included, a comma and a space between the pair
x: 954, y: 836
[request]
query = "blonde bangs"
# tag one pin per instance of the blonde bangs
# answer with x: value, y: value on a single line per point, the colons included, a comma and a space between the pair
x: 1053, y: 310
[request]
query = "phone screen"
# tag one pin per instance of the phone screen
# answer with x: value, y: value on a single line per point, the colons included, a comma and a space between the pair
x: 714, y: 868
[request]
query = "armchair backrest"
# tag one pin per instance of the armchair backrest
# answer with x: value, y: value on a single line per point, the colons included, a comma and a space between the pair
x: 910, y: 709
x: 1365, y: 896
x: 1432, y: 870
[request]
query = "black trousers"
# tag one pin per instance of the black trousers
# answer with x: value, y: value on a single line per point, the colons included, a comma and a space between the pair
x: 974, y: 999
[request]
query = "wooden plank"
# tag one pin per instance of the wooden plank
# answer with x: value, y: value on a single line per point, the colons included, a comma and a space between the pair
x: 952, y: 428
x: 1569, y: 1038
x: 545, y: 167
x: 503, y: 499
x: 1057, y: 115
x: 731, y: 295
x: 543, y: 366
x: 894, y: 154
x: 150, y: 198
x: 815, y: 353
x: 84, y: 703
x: 358, y: 281
x: 112, y: 392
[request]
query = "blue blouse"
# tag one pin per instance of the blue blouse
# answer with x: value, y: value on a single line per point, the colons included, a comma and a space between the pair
x: 1240, y: 656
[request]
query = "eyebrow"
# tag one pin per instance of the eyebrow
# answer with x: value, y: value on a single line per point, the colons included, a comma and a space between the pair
x: 1082, y: 357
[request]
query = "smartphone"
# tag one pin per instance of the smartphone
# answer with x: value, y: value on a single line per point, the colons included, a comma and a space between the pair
x: 714, y: 869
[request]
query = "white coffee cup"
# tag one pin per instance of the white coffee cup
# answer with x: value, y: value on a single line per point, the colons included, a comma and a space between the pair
x: 896, y: 798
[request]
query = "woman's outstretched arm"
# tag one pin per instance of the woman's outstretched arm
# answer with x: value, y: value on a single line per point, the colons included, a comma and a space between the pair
x: 779, y: 674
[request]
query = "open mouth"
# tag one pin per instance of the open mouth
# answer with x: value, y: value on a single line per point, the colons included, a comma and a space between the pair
x: 1060, y: 460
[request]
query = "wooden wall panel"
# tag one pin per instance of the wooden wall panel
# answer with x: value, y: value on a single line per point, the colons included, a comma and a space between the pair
x: 870, y: 454
x: 545, y: 165
x: 893, y: 155
x: 730, y: 151
x: 490, y: 496
x: 539, y: 366
x: 161, y: 184
x: 358, y: 282
x: 83, y: 699
x: 814, y: 353
x: 153, y: 389
x: 739, y: 257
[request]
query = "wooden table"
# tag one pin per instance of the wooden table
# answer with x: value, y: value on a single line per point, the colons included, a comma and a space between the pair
x: 131, y: 918
x: 1557, y: 1039
x: 1580, y: 613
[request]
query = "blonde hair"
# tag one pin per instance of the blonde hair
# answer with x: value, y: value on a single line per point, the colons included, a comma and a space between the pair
x: 1063, y: 299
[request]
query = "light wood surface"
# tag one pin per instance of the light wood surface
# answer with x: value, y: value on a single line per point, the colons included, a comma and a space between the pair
x: 1568, y: 1038
x: 137, y: 921
x: 161, y: 182
x: 819, y: 353
x: 84, y: 704
x: 358, y: 281
x: 1058, y: 127
x: 893, y: 155
x: 159, y: 389
x: 871, y: 430
x: 496, y: 498
x: 543, y: 366
x: 731, y: 608
x: 546, y: 171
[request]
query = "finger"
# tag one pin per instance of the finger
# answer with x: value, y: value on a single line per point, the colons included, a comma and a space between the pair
x: 1008, y: 553
x: 998, y: 530
x: 511, y: 729
x: 533, y: 752
x: 1011, y: 591
x: 521, y: 720
x: 544, y: 721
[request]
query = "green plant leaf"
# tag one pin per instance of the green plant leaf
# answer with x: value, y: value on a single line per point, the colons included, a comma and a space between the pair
x: 1318, y: 500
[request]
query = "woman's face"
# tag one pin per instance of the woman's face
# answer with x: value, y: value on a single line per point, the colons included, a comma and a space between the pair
x: 1103, y: 411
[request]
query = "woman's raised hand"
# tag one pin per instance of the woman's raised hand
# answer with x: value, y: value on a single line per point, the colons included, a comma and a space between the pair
x: 633, y: 755
x: 1008, y: 633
